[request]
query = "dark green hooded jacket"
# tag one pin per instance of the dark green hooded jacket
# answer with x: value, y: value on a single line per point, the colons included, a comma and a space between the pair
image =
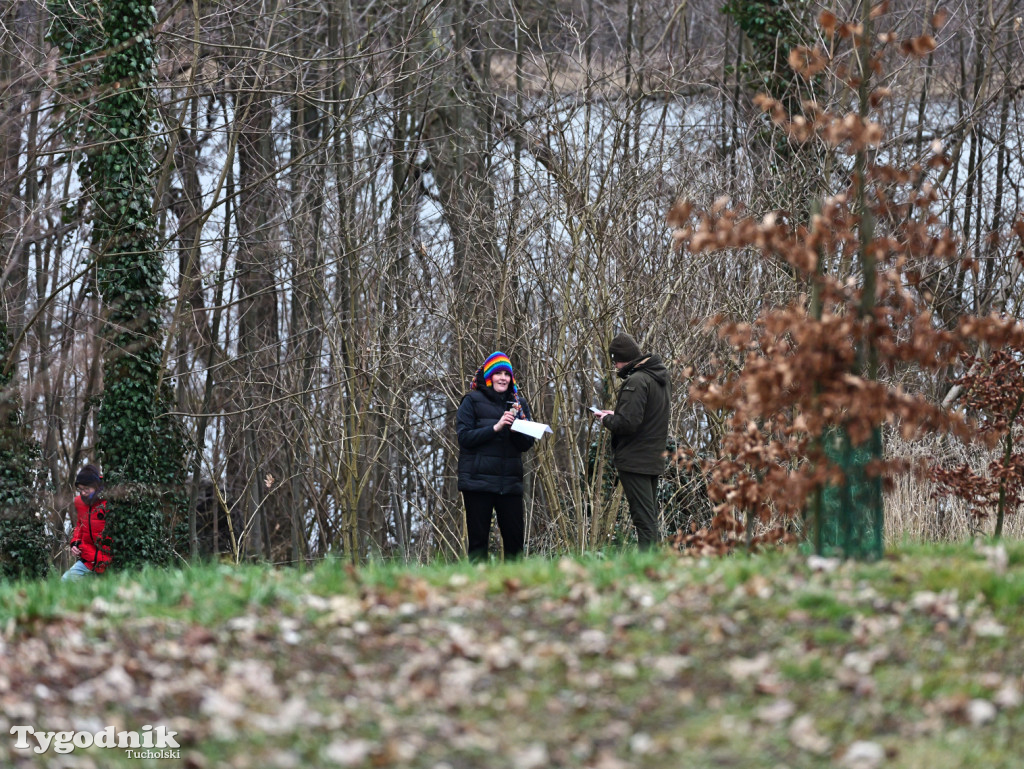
x: 639, y: 426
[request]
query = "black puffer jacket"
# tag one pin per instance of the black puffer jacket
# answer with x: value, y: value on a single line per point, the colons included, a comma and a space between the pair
x: 639, y: 426
x: 490, y: 461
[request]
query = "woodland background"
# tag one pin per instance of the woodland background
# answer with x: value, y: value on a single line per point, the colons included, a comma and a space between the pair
x: 353, y: 203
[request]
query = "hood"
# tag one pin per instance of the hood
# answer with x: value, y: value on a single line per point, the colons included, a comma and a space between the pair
x: 651, y: 364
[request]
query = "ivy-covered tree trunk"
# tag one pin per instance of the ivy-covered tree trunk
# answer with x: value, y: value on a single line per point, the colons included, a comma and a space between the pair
x: 116, y: 131
x: 24, y: 542
x: 771, y: 30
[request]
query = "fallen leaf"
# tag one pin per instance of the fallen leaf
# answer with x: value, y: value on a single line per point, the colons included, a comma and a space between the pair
x: 776, y: 712
x: 1009, y: 696
x: 741, y: 668
x: 981, y: 712
x: 532, y: 756
x: 348, y: 752
x: 804, y: 735
x: 863, y: 755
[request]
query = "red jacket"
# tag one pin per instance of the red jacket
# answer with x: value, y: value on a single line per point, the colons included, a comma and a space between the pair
x: 88, y: 534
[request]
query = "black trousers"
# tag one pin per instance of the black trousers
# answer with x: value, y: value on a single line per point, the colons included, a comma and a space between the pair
x: 642, y: 494
x: 509, y: 507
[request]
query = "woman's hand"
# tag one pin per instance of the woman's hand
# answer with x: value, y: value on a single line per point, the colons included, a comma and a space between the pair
x: 506, y: 419
x: 75, y: 551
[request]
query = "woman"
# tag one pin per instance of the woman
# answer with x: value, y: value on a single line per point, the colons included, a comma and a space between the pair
x: 491, y: 457
x: 88, y: 545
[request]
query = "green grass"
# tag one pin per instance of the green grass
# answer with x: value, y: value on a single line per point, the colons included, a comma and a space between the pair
x: 644, y: 659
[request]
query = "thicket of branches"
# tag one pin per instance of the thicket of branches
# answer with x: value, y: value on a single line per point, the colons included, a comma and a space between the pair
x: 356, y: 202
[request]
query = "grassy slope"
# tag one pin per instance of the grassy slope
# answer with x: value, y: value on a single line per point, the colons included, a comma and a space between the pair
x: 630, y: 660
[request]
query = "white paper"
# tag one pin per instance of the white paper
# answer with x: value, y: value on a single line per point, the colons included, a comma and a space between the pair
x: 595, y: 409
x: 533, y: 429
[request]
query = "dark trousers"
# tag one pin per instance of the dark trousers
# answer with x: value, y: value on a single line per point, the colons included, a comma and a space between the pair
x: 642, y: 494
x: 509, y: 507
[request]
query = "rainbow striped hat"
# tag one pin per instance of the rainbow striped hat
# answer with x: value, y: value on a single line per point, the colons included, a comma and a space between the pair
x: 496, y: 361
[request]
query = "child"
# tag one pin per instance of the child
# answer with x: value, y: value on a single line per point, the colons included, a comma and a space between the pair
x: 87, y: 541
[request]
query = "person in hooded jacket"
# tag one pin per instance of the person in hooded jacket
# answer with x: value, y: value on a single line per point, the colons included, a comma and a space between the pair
x: 88, y: 544
x: 491, y: 457
x: 639, y: 428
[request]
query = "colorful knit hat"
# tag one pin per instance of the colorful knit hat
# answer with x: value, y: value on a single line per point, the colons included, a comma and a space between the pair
x: 496, y: 361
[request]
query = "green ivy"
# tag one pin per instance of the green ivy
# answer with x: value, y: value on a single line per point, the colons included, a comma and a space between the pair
x: 773, y: 29
x: 24, y: 542
x: 141, y: 451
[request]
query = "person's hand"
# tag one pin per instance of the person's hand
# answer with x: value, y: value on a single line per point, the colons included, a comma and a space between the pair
x: 506, y: 419
x: 75, y: 551
x: 599, y: 415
